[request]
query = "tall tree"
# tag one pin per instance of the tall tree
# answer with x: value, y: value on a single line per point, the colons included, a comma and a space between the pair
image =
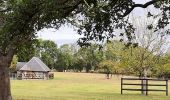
x: 90, y: 56
x: 65, y: 58
x: 150, y: 44
x: 113, y: 54
x: 47, y: 50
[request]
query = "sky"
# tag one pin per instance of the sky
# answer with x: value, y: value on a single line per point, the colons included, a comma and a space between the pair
x: 67, y: 35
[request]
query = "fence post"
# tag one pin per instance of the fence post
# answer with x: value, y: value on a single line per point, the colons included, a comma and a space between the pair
x: 166, y: 87
x: 142, y: 92
x: 121, y: 85
x: 146, y: 86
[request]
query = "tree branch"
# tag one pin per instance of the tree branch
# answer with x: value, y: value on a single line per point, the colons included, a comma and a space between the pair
x: 4, y: 10
x: 139, y: 5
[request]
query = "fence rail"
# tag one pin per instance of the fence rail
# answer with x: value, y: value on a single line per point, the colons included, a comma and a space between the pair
x: 144, y: 85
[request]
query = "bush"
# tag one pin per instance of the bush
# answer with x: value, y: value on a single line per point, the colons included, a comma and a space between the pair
x: 163, y: 71
x: 51, y: 75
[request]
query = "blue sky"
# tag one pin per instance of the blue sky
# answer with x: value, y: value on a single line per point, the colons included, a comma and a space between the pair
x: 67, y: 34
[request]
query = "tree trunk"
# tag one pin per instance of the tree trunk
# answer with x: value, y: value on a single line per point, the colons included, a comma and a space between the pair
x: 5, y: 90
x: 108, y: 75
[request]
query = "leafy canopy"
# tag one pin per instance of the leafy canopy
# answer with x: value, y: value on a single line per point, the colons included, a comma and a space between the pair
x: 95, y: 19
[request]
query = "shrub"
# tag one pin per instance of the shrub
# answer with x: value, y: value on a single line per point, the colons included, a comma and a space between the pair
x: 51, y: 75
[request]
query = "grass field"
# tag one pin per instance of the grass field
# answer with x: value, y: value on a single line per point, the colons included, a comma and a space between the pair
x: 77, y: 86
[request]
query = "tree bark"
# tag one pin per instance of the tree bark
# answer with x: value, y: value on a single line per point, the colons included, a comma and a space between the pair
x: 5, y: 89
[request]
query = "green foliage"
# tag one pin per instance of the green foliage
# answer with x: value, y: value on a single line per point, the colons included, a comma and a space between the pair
x: 137, y: 60
x: 74, y: 58
x: 65, y: 58
x: 13, y: 63
x: 22, y: 18
x: 162, y: 67
x: 26, y: 52
x: 90, y: 56
x: 48, y: 52
x: 112, y: 58
x: 51, y: 75
x: 44, y: 49
x: 109, y: 66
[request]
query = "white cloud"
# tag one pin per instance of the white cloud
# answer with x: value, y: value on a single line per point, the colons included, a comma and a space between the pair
x: 62, y: 33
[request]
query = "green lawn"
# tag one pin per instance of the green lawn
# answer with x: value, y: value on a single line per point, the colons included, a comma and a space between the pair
x: 77, y: 86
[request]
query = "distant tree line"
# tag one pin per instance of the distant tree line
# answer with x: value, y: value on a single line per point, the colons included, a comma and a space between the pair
x: 113, y: 58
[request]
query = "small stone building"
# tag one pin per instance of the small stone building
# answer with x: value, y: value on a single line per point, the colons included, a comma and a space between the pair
x: 34, y: 69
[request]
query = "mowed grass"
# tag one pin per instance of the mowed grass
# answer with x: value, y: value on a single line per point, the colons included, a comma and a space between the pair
x: 77, y: 86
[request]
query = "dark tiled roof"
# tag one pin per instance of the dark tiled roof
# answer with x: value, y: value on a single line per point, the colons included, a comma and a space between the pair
x: 35, y: 64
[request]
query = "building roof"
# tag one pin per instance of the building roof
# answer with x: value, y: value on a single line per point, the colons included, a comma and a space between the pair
x: 20, y: 65
x: 35, y: 64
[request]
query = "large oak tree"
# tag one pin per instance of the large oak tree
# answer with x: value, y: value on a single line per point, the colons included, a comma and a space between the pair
x: 96, y: 19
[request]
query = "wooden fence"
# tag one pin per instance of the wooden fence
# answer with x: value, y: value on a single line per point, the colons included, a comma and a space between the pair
x: 144, y: 85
